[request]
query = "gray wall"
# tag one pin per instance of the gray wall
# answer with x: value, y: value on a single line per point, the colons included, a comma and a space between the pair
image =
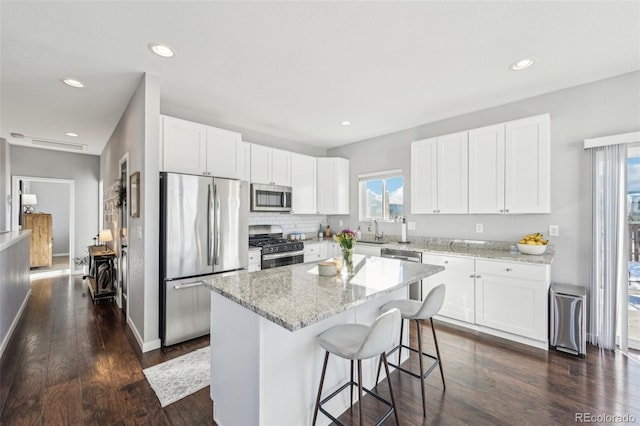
x: 602, y: 108
x: 83, y: 169
x: 5, y: 185
x: 53, y: 198
x: 137, y: 134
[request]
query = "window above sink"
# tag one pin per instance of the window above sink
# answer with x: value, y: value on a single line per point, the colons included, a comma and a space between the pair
x: 381, y: 195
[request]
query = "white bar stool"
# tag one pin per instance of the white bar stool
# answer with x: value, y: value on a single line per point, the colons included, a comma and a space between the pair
x: 358, y: 342
x: 418, y: 311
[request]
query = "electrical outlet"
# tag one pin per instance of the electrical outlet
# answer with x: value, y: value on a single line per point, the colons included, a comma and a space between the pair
x: 340, y: 223
x: 479, y: 227
x: 411, y: 226
x: 554, y: 230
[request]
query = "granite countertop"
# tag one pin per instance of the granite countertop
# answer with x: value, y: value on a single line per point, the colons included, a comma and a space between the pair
x: 497, y: 250
x: 296, y: 296
x: 9, y: 238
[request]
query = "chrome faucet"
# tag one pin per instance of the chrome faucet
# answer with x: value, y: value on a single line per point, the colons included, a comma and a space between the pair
x: 375, y: 230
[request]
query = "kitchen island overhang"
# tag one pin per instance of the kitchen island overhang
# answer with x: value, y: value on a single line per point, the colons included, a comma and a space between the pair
x: 265, y: 362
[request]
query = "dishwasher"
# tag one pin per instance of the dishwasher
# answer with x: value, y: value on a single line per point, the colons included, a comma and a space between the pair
x: 415, y: 289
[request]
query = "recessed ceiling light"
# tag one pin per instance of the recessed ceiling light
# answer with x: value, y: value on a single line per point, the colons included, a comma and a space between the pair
x: 73, y: 82
x: 345, y: 123
x: 522, y: 64
x: 161, y: 50
x: 74, y: 135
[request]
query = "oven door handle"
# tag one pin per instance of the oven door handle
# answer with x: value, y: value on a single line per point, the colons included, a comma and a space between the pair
x: 281, y: 255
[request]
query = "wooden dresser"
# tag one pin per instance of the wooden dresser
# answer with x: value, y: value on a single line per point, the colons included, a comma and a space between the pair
x: 41, y: 248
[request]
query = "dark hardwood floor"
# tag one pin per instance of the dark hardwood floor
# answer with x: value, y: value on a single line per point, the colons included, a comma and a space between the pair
x: 73, y: 362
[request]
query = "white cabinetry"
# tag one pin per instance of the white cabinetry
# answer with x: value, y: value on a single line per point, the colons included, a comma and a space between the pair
x: 509, y: 167
x: 255, y: 259
x: 333, y: 249
x: 513, y: 297
x: 459, y: 280
x: 313, y: 252
x: 303, y: 182
x: 333, y: 186
x: 439, y: 174
x: 528, y: 165
x: 203, y: 150
x: 270, y: 166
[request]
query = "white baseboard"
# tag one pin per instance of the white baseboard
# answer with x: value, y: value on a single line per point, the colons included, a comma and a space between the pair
x: 144, y: 346
x: 60, y: 254
x: 14, y: 324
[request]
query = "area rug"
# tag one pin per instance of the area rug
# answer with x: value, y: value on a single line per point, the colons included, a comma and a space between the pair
x: 179, y: 377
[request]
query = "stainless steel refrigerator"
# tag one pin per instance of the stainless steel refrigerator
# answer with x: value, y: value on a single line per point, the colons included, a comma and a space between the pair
x: 204, y: 231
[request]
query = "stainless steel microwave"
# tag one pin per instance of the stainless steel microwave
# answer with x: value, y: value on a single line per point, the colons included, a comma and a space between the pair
x: 270, y: 198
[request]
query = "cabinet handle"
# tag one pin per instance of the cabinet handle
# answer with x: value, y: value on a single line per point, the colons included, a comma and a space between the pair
x: 507, y: 211
x: 446, y: 261
x: 478, y: 276
x: 508, y: 269
x: 435, y: 211
x: 501, y: 211
x: 472, y: 276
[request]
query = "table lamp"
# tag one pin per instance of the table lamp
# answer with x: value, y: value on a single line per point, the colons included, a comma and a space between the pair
x: 105, y: 236
x: 29, y: 201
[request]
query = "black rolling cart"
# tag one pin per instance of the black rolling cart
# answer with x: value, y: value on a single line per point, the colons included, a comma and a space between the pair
x: 101, y: 276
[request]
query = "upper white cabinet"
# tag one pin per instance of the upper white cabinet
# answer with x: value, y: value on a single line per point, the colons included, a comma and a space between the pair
x: 270, y: 166
x: 528, y: 165
x: 303, y: 182
x: 486, y: 169
x: 439, y: 174
x: 509, y: 167
x: 333, y: 186
x: 184, y: 146
x: 194, y: 148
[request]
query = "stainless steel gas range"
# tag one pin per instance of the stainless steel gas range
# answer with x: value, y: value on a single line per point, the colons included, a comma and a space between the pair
x: 276, y: 250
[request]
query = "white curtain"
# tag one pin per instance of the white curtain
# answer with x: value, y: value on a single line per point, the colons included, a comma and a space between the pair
x: 609, y: 269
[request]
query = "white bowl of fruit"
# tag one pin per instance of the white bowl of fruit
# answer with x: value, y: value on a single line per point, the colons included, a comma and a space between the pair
x: 533, y: 244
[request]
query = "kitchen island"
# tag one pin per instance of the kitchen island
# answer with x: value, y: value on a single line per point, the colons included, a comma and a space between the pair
x: 265, y: 362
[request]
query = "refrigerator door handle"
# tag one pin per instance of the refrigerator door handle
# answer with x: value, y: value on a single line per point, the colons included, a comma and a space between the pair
x: 210, y: 226
x: 216, y: 229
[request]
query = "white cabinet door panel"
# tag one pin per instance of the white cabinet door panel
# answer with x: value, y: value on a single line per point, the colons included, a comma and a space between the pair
x: 424, y: 176
x: 516, y: 306
x: 303, y: 182
x: 281, y: 167
x: 225, y: 157
x: 452, y: 173
x: 184, y: 146
x: 367, y: 250
x: 486, y: 170
x: 261, y: 164
x: 527, y: 165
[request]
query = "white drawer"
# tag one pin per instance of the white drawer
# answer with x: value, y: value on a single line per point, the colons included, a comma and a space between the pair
x: 254, y: 256
x: 449, y: 261
x: 312, y: 249
x: 513, y: 269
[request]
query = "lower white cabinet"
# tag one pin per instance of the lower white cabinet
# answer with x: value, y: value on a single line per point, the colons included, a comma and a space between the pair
x: 459, y: 279
x: 505, y: 299
x: 513, y: 297
x: 333, y: 249
x: 313, y: 252
x: 255, y: 259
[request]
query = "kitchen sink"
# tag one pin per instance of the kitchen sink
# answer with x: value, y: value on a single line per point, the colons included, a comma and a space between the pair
x: 373, y: 242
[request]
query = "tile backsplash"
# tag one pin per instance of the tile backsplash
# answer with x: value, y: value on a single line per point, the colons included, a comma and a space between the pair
x: 307, y: 224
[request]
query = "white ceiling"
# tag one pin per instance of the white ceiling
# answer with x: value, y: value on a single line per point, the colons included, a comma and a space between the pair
x: 295, y: 70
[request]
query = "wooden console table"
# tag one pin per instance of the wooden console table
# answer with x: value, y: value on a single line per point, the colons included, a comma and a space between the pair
x: 101, y: 273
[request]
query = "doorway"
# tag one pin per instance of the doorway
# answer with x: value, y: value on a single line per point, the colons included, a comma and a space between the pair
x: 123, y: 263
x: 630, y: 300
x: 57, y: 198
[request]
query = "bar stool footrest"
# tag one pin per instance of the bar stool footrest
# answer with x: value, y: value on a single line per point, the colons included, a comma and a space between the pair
x: 370, y: 392
x: 428, y: 371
